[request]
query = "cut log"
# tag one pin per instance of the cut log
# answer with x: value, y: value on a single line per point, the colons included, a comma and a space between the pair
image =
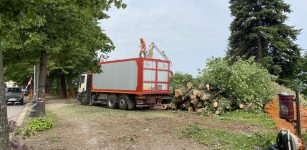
x: 199, y: 110
x: 220, y: 110
x: 242, y: 106
x: 199, y: 105
x: 189, y: 85
x: 180, y: 92
x: 215, y: 104
x: 187, y: 104
x: 190, y: 109
x: 192, y: 94
x: 195, y: 102
x: 203, y: 96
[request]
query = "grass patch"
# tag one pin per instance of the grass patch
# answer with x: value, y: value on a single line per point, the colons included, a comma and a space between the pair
x: 259, y: 119
x: 33, y: 125
x: 54, y: 139
x: 221, y: 139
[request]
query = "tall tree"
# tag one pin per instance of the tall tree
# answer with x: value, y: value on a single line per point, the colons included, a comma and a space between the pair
x: 44, y: 28
x: 4, y: 131
x: 303, y: 74
x: 259, y: 30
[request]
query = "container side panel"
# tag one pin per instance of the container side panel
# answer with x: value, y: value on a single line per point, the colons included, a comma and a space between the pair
x: 163, y: 65
x: 163, y: 76
x: 149, y: 75
x: 117, y: 76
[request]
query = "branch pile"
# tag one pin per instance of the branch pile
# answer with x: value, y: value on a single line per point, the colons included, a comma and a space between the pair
x: 199, y: 99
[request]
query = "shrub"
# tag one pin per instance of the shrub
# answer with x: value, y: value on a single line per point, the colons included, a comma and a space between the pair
x: 245, y: 82
x: 36, y: 124
x: 179, y: 79
x: 41, y: 124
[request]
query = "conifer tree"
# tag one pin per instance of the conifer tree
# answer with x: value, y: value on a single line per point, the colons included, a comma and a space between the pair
x: 259, y: 30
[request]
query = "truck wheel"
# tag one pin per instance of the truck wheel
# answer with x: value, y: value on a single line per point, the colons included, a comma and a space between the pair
x: 131, y: 104
x: 84, y: 100
x: 93, y: 99
x: 123, y: 102
x: 112, y: 101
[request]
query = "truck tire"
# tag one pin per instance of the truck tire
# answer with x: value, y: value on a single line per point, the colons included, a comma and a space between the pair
x: 123, y: 102
x: 84, y: 99
x: 112, y: 101
x: 93, y: 99
x: 131, y: 103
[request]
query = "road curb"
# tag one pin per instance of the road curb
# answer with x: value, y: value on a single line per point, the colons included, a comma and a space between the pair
x: 21, y: 117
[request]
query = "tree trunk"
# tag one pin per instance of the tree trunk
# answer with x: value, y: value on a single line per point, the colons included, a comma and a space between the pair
x: 70, y: 87
x: 4, y: 131
x: 63, y: 85
x: 58, y: 88
x: 260, y: 47
x: 49, y: 85
x: 42, y: 85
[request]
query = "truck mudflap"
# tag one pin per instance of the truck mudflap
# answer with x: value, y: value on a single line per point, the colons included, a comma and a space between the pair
x: 150, y: 100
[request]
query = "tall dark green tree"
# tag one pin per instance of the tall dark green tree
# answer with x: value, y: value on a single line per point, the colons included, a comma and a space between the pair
x: 259, y: 30
x: 303, y: 74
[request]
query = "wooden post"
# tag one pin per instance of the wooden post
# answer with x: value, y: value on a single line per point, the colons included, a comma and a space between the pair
x: 298, y: 114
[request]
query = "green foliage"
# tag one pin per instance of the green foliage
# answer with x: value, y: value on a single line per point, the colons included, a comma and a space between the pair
x: 36, y: 125
x: 244, y: 82
x: 222, y: 139
x: 303, y: 75
x: 68, y: 31
x: 41, y: 124
x: 259, y: 30
x: 179, y: 80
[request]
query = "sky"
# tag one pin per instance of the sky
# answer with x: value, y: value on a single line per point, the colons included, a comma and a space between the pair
x: 189, y: 31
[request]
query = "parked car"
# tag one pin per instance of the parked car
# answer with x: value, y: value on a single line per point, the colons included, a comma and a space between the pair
x: 14, y: 94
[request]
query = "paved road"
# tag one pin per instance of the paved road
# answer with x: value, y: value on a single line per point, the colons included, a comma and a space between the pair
x: 14, y: 111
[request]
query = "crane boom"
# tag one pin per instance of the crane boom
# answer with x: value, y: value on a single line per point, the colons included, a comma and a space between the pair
x: 162, y: 53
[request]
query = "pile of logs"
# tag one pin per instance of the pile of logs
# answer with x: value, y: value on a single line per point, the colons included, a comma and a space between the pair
x: 196, y: 99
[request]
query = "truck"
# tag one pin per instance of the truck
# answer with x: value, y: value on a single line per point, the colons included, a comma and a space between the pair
x: 127, y: 84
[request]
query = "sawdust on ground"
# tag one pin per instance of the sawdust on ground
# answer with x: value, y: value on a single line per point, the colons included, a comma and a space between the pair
x: 272, y: 108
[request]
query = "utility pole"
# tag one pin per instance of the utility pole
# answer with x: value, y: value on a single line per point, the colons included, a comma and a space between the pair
x: 35, y: 87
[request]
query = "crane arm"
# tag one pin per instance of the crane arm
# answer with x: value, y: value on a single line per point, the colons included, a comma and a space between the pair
x: 162, y: 53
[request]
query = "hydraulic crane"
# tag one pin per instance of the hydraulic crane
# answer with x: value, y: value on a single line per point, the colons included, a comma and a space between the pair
x: 150, y: 51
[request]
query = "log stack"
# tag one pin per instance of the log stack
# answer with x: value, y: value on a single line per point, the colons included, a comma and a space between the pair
x: 196, y: 99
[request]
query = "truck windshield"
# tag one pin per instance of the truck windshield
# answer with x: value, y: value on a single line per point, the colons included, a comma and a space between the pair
x: 14, y: 90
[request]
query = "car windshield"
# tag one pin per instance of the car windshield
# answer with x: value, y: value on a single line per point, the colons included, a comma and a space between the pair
x: 14, y: 90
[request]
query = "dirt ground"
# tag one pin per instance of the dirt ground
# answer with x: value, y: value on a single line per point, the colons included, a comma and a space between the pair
x: 96, y: 127
x: 272, y: 108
